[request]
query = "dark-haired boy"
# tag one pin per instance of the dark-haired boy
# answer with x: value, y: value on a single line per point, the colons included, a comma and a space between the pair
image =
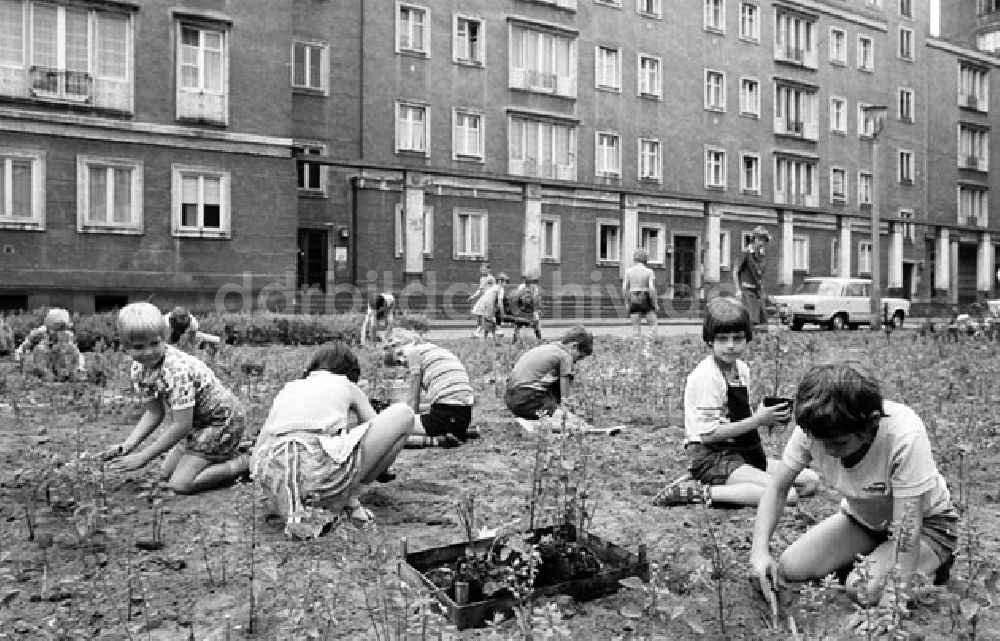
x: 876, y: 454
x: 542, y: 377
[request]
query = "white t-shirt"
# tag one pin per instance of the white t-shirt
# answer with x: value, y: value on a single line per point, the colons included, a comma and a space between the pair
x: 899, y: 463
x: 706, y: 399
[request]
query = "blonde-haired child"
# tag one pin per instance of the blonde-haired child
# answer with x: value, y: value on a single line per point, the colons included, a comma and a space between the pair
x: 52, y: 347
x: 206, y: 420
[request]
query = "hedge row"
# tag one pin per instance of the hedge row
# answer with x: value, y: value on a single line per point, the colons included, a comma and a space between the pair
x: 235, y: 329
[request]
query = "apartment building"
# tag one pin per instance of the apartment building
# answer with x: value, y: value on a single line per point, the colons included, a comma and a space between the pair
x: 428, y: 137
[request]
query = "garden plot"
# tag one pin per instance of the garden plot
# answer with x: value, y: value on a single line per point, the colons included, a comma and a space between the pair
x: 85, y: 554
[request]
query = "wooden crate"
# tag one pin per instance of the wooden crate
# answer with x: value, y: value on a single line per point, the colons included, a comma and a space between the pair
x: 617, y: 563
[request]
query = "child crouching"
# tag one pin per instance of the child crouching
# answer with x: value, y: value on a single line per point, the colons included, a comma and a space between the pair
x: 50, y: 350
x: 206, y: 419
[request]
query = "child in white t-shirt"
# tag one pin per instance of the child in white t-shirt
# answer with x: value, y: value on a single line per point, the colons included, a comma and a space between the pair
x: 877, y: 455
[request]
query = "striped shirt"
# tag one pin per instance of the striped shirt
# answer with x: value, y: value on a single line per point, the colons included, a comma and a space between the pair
x: 443, y: 378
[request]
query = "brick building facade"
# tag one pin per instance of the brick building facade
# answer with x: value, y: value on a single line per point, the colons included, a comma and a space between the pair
x: 536, y: 134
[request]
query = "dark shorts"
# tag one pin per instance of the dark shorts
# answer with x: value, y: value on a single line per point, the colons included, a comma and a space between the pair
x: 755, y: 306
x: 447, y: 419
x: 640, y: 303
x: 525, y: 402
x: 714, y: 466
x: 940, y: 530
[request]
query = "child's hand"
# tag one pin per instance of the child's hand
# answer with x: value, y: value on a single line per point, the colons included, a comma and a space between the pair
x: 774, y: 414
x: 766, y: 578
x: 128, y: 463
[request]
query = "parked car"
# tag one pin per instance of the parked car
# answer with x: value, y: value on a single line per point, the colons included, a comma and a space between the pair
x: 836, y: 303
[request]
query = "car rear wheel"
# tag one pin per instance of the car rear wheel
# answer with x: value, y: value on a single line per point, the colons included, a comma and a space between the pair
x: 839, y: 322
x: 897, y: 319
x: 796, y: 325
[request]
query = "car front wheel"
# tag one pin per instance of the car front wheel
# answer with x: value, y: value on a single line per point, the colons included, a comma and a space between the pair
x: 796, y: 325
x: 838, y: 322
x: 897, y: 319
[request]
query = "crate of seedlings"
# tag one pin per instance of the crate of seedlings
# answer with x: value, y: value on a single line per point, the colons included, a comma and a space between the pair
x: 476, y: 581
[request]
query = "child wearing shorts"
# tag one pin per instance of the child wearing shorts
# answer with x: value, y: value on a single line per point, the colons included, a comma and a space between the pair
x: 206, y: 420
x: 543, y: 375
x: 721, y: 438
x: 439, y: 379
x: 381, y: 312
x: 50, y: 350
x: 308, y: 454
x: 876, y: 454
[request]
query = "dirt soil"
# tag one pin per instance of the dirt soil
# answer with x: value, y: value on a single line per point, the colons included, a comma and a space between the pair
x: 70, y: 576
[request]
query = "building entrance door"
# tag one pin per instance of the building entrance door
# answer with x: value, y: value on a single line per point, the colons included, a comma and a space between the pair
x: 908, y: 280
x: 313, y: 258
x: 685, y: 264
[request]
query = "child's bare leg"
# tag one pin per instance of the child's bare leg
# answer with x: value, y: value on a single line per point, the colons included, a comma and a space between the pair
x: 832, y: 544
x: 194, y: 474
x: 383, y: 441
x: 636, y: 324
x: 745, y: 486
x: 170, y: 463
x: 881, y: 563
x: 651, y: 319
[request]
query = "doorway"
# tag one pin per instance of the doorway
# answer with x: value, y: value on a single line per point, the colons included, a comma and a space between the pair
x: 313, y: 258
x: 908, y: 271
x: 685, y: 266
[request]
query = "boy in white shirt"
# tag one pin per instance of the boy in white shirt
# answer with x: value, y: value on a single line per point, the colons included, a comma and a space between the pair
x: 877, y: 455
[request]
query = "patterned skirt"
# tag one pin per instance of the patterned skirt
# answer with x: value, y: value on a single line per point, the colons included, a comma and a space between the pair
x: 308, y: 469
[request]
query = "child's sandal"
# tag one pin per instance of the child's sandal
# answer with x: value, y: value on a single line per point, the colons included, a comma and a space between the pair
x: 681, y: 494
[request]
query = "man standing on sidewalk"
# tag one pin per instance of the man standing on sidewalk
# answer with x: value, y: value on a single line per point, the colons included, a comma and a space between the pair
x: 748, y: 277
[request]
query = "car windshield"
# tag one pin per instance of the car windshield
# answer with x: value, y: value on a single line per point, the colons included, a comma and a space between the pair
x: 819, y: 287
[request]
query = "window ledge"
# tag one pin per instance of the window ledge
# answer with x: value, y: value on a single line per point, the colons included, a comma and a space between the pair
x: 750, y: 41
x: 653, y: 16
x: 310, y: 91
x: 608, y: 89
x: 651, y: 96
x: 718, y: 31
x: 608, y: 263
x: 474, y: 259
x: 718, y: 110
x: 715, y: 188
x: 866, y: 69
x: 413, y: 53
x: 25, y: 226
x: 119, y: 231
x: 205, y: 235
x: 468, y: 62
x: 750, y: 192
x: 551, y: 261
x: 313, y: 194
x: 838, y: 63
x: 412, y: 153
x: 750, y: 115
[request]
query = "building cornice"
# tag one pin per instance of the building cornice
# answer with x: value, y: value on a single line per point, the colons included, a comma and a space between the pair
x: 542, y: 24
x: 964, y: 52
x: 817, y: 7
x: 146, y: 133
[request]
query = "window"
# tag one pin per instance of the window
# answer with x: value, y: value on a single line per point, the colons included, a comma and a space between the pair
x: 972, y: 205
x: 428, y: 244
x: 608, y: 71
x: 794, y: 39
x: 800, y: 253
x: 865, y: 257
x: 649, y: 159
x: 470, y: 233
x: 201, y: 206
x: 973, y: 87
x: 838, y: 185
x: 542, y: 62
x: 66, y: 54
x: 541, y: 148
x: 795, y: 111
x: 413, y: 128
x: 550, y: 239
x: 715, y: 15
x: 202, y: 87
x: 838, y: 46
x: 309, y: 65
x: 22, y: 189
x: 412, y: 29
x: 715, y: 90
x: 467, y: 137
x: 725, y: 251
x: 835, y: 256
x: 866, y: 121
x: 908, y: 228
x: 311, y: 176
x: 608, y: 241
x: 750, y: 174
x: 838, y: 115
x: 649, y: 76
x: 651, y: 239
x: 650, y: 8
x: 866, y: 54
x: 747, y: 241
x: 715, y: 169
x: 904, y: 164
x: 608, y: 155
x: 874, y: 4
x: 973, y: 147
x: 906, y: 43
x: 749, y: 97
x: 749, y: 21
x: 469, y: 41
x: 989, y: 41
x: 906, y: 8
x: 795, y: 181
x: 905, y: 104
x: 988, y: 6
x: 864, y: 188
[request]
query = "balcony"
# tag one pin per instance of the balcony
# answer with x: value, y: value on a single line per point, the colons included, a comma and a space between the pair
x: 795, y: 55
x: 542, y: 82
x: 541, y: 169
x: 785, y: 197
x: 973, y: 162
x: 60, y: 84
x: 969, y: 101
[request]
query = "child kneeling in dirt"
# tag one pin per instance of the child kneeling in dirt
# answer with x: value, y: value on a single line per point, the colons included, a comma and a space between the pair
x: 50, y: 350
x: 307, y: 454
x: 542, y: 377
x: 726, y: 454
x: 438, y: 378
x: 876, y: 454
x: 206, y: 421
x: 185, y: 332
